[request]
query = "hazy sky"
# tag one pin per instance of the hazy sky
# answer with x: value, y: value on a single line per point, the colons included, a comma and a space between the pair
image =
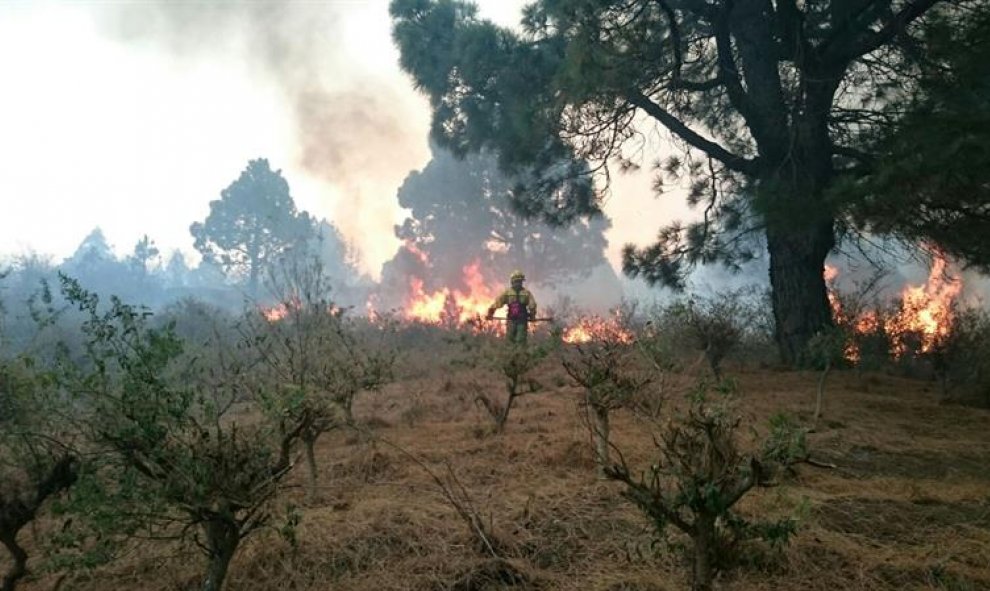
x: 133, y: 116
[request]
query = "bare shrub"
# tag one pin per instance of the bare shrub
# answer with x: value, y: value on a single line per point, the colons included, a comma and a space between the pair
x: 863, y: 318
x: 311, y: 360
x: 714, y: 325
x: 198, y: 323
x: 701, y: 473
x: 961, y: 360
x: 827, y: 350
x: 174, y: 464
x: 515, y: 364
x: 460, y: 499
x: 609, y: 369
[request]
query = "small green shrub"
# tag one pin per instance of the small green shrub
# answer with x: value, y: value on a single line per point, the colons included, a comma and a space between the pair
x: 701, y: 474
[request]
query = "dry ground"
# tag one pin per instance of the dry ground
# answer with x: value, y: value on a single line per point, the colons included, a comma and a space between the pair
x: 908, y: 506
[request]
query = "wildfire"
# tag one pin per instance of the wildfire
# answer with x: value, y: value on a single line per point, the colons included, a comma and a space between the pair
x: 447, y: 305
x: 597, y: 328
x: 417, y: 252
x: 922, y: 321
x: 458, y: 307
x: 830, y: 274
x: 926, y: 310
x: 279, y: 310
x: 282, y: 309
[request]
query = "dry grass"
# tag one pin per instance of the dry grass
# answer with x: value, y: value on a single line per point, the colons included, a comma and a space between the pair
x: 908, y: 506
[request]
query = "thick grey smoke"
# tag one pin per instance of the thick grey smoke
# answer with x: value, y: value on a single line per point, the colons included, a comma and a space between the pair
x: 355, y: 127
x: 460, y: 218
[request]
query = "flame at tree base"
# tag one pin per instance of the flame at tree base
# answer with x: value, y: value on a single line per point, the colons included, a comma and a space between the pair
x: 923, y: 320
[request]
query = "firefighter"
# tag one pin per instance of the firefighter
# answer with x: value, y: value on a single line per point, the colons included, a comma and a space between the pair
x: 521, y: 308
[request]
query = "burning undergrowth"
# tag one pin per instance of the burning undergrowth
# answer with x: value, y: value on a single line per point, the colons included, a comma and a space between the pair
x: 416, y: 298
x: 462, y: 238
x: 917, y: 322
x: 419, y: 295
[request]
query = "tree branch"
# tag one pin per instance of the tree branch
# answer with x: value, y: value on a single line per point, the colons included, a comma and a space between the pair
x: 699, y: 8
x: 727, y: 70
x: 731, y: 161
x: 790, y: 24
x: 838, y: 53
x: 858, y: 155
x: 676, y: 39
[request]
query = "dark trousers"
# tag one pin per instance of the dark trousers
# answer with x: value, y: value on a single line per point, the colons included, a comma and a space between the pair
x: 516, y: 332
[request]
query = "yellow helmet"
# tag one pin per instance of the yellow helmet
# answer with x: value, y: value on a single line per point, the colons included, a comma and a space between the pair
x: 517, y: 274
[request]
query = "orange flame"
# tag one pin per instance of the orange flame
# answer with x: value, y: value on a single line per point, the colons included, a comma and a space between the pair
x: 830, y: 274
x: 282, y: 309
x: 450, y: 306
x: 925, y: 313
x: 926, y: 310
x: 458, y: 307
x: 274, y: 313
x: 591, y: 328
x: 279, y: 310
x: 851, y: 349
x: 417, y: 252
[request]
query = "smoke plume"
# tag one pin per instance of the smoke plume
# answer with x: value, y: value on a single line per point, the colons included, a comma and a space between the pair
x: 357, y: 130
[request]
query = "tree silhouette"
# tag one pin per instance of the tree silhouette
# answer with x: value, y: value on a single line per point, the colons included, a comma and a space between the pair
x: 770, y: 101
x: 144, y: 254
x: 254, y: 222
x: 931, y: 178
x: 462, y: 211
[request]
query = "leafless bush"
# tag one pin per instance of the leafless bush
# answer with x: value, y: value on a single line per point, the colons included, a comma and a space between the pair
x: 310, y: 359
x: 515, y: 364
x: 459, y: 498
x: 714, y: 325
x: 961, y: 360
x: 827, y: 350
x: 610, y: 371
x: 198, y: 323
x: 564, y: 310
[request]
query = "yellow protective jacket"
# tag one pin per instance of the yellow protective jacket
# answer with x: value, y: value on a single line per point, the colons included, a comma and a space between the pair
x: 510, y: 295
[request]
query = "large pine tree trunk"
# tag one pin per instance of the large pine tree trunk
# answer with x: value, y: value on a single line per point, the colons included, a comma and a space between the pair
x: 800, y: 225
x: 791, y: 130
x: 800, y: 296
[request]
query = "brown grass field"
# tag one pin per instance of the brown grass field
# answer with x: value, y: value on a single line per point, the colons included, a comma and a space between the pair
x: 906, y: 507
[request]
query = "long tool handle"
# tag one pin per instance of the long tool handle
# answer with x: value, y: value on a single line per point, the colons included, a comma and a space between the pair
x: 529, y: 320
